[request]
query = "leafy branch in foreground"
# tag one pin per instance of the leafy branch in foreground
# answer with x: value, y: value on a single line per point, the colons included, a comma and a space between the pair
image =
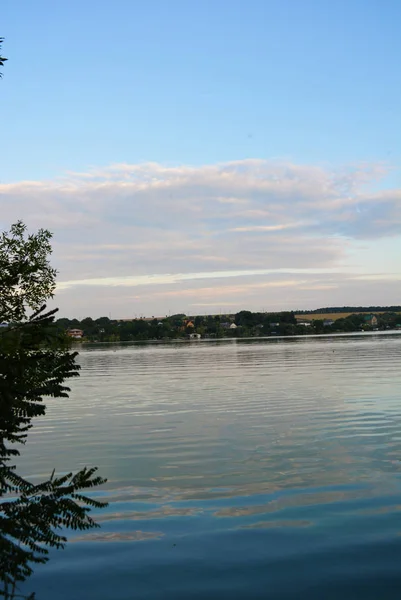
x: 35, y: 361
x: 2, y: 59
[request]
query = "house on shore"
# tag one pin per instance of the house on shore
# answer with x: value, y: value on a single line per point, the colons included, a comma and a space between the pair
x: 228, y: 325
x: 77, y: 334
x: 370, y: 320
x: 187, y: 324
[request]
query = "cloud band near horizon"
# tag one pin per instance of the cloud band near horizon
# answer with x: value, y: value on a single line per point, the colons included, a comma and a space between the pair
x: 169, y: 229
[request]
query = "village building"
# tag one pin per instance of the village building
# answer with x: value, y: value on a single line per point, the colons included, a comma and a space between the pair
x: 75, y: 333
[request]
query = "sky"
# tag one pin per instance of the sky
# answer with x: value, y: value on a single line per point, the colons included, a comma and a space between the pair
x: 206, y: 157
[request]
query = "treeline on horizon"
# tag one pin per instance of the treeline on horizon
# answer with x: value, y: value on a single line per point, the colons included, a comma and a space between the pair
x: 350, y: 309
x: 242, y: 324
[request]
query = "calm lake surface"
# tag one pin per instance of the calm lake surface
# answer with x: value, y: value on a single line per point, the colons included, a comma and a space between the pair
x: 236, y: 469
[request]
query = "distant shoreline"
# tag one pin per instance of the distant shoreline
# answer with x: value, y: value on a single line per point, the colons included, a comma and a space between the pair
x: 239, y: 339
x: 243, y: 324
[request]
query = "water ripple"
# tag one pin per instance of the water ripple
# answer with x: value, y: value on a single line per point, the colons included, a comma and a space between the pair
x: 237, y: 462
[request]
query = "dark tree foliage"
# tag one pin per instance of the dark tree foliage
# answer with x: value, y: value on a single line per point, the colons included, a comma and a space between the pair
x: 35, y: 361
x: 2, y: 59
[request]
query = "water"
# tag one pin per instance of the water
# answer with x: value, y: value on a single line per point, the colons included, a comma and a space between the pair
x: 236, y: 469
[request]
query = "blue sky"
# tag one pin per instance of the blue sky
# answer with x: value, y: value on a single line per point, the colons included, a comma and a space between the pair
x: 311, y: 89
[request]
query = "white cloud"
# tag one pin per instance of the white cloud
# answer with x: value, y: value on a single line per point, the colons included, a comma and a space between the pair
x: 277, y: 227
x: 141, y: 280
